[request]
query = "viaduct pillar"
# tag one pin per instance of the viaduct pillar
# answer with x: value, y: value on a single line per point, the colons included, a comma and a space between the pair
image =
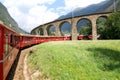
x: 74, y: 29
x: 45, y: 31
x: 57, y: 33
x: 37, y: 31
x: 94, y: 27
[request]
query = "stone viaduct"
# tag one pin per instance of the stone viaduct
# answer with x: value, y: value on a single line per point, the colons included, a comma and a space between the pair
x: 73, y: 21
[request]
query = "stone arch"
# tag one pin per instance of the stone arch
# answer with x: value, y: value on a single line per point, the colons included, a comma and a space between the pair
x: 37, y: 31
x: 33, y: 32
x: 84, y: 26
x: 51, y: 29
x: 65, y: 28
x: 100, y: 24
x: 41, y: 32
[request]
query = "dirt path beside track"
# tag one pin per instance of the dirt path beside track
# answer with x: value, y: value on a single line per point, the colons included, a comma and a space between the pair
x: 19, y: 70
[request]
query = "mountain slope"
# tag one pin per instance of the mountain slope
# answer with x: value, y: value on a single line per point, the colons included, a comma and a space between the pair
x: 8, y: 20
x: 105, y: 6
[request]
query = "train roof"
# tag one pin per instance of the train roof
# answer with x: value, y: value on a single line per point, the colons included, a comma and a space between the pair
x: 3, y: 25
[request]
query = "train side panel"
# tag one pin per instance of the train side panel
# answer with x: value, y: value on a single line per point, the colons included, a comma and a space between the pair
x: 81, y: 37
x: 9, y: 48
x: 1, y: 51
x: 28, y: 40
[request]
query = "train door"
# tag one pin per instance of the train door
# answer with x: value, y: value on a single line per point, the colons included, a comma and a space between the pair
x: 6, y: 54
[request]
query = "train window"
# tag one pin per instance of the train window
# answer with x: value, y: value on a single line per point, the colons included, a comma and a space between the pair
x: 6, y: 43
x: 11, y: 40
x: 16, y: 40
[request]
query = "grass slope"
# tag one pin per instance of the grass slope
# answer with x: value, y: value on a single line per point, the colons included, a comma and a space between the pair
x: 77, y: 60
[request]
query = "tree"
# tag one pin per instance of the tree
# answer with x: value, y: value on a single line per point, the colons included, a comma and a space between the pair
x: 85, y: 30
x: 112, y: 28
x: 101, y: 24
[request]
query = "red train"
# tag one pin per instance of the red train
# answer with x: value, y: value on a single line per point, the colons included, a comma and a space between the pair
x: 11, y: 42
x: 87, y: 37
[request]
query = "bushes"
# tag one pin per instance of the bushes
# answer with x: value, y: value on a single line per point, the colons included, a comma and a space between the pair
x: 112, y: 28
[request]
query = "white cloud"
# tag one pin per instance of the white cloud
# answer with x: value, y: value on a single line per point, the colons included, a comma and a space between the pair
x: 38, y: 10
x: 36, y: 14
x: 27, y: 2
x: 62, y: 10
x: 31, y: 13
x: 50, y: 16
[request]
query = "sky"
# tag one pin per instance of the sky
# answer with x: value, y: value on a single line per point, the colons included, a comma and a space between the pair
x: 32, y: 13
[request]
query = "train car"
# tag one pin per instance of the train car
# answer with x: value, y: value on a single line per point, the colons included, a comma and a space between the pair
x: 27, y: 40
x: 9, y: 48
x: 42, y: 39
x: 84, y: 37
x: 90, y: 37
x: 11, y: 42
x: 80, y: 37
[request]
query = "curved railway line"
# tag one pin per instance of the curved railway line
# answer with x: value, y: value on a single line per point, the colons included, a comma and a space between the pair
x: 11, y: 43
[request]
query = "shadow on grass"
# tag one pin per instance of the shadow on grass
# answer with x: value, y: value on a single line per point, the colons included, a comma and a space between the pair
x: 106, y: 59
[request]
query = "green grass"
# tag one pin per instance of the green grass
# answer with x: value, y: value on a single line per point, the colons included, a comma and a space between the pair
x: 77, y: 60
